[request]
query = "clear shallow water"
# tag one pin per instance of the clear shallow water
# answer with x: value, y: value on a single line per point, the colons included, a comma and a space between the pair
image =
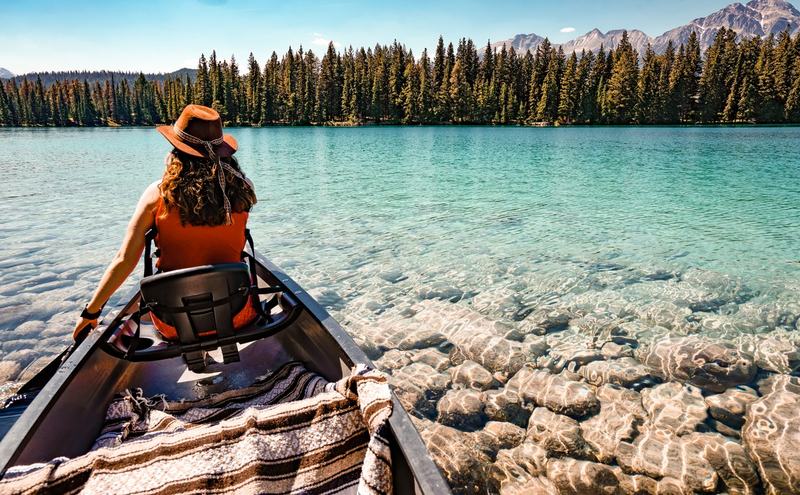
x: 499, y: 220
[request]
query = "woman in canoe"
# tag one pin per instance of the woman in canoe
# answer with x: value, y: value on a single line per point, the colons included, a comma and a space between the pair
x: 199, y: 209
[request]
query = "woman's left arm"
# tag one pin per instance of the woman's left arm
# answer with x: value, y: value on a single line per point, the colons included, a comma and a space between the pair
x: 128, y: 256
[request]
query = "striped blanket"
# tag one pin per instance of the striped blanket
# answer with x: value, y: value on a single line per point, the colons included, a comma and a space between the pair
x: 291, y: 432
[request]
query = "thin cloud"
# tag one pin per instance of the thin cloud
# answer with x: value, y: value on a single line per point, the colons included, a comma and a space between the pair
x: 568, y: 30
x: 317, y: 34
x: 323, y: 42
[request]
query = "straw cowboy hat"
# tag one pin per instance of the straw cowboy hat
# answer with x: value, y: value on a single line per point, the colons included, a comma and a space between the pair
x: 198, y: 132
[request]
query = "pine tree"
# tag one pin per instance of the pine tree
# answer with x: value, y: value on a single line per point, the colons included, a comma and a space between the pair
x: 647, y: 104
x: 410, y: 94
x: 664, y: 97
x: 620, y: 97
x: 547, y: 109
x: 568, y: 100
x: 438, y: 66
x: 425, y: 88
x: 254, y: 94
x: 5, y: 113
x: 460, y: 93
x: 330, y: 88
x: 716, y: 79
x: 349, y: 98
x: 202, y: 88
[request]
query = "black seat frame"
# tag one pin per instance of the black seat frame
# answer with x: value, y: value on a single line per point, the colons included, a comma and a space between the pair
x: 200, y: 303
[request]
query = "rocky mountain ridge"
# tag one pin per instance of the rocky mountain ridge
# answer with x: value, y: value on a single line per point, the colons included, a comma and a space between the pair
x: 756, y: 18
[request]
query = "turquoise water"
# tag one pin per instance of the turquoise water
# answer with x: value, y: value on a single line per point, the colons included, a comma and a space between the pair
x: 498, y: 220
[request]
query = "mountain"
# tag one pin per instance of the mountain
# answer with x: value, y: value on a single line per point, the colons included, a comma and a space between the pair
x: 756, y: 18
x: 5, y: 73
x: 591, y: 41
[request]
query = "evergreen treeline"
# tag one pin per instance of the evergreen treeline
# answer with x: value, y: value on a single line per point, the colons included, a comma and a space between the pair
x: 752, y: 80
x: 48, y: 78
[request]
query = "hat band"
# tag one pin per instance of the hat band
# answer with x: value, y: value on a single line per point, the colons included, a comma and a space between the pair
x: 219, y: 165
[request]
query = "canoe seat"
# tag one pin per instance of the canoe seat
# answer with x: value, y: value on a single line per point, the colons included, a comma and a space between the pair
x: 200, y: 303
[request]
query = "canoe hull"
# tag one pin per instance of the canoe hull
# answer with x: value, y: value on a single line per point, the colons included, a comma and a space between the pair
x: 66, y: 416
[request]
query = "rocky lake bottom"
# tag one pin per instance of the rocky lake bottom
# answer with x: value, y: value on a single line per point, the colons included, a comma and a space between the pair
x: 571, y: 311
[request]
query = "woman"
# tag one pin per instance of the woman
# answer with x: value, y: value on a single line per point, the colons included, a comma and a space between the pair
x: 199, y: 209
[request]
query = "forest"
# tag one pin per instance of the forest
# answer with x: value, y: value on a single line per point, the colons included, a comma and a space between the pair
x: 752, y: 80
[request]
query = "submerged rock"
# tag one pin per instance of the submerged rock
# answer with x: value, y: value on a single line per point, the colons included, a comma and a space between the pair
x: 434, y: 358
x: 569, y: 355
x: 729, y: 407
x: 634, y: 484
x: 779, y: 353
x: 455, y: 454
x: 514, y: 468
x: 470, y: 374
x: 505, y: 405
x: 555, y: 392
x: 771, y: 436
x: 674, y: 407
x: 491, y: 351
x: 626, y: 372
x: 496, y: 436
x: 621, y: 413
x: 534, y: 486
x: 556, y: 433
x: 572, y: 477
x: 612, y: 350
x: 660, y: 453
x: 462, y: 409
x: 775, y: 383
x: 712, y: 365
x: 393, y: 360
x: 729, y: 459
x: 413, y: 398
x: 426, y: 378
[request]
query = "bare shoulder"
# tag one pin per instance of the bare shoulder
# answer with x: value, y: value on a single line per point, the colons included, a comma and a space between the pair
x: 151, y: 196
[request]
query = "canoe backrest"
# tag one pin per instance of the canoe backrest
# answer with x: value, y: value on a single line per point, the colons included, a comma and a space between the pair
x: 200, y: 304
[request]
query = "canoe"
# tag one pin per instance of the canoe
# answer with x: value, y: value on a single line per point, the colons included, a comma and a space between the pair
x: 78, y: 391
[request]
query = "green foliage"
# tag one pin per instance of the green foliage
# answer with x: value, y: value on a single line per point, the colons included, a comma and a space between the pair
x: 749, y: 80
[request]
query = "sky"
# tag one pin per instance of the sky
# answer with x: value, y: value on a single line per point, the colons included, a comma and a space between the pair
x: 163, y: 36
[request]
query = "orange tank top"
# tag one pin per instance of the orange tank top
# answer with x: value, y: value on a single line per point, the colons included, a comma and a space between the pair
x: 186, y: 246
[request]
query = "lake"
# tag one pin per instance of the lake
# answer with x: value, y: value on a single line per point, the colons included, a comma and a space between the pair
x: 684, y: 231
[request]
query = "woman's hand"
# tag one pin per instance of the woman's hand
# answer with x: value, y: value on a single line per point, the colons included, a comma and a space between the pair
x: 80, y: 325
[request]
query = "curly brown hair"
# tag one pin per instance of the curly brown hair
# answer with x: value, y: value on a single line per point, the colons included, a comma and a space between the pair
x: 191, y: 185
